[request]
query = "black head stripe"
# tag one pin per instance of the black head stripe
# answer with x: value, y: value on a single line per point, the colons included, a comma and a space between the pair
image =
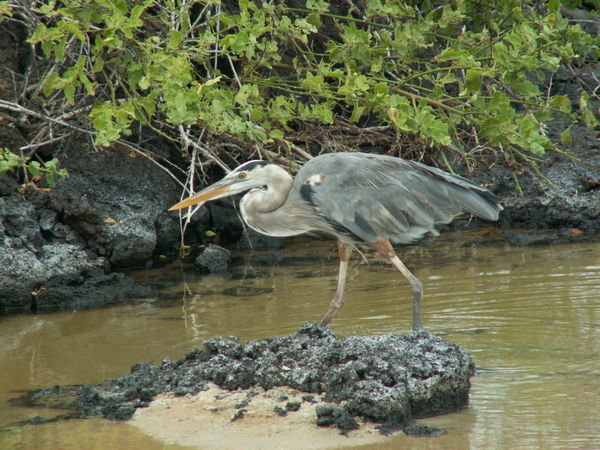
x: 251, y: 165
x: 307, y: 192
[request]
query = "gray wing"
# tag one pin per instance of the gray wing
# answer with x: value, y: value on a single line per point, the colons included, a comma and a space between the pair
x: 363, y: 196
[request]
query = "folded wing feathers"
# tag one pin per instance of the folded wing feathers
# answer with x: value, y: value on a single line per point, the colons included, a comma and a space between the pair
x: 393, y: 197
x: 450, y: 194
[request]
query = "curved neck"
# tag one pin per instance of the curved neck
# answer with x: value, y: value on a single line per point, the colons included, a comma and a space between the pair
x: 265, y: 209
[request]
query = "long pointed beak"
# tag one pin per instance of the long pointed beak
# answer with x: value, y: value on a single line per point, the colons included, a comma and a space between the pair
x: 219, y: 189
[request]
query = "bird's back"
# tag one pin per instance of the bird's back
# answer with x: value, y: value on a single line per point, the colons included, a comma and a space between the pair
x: 362, y: 196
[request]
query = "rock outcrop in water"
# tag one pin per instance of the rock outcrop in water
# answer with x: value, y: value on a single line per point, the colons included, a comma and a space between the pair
x: 386, y: 379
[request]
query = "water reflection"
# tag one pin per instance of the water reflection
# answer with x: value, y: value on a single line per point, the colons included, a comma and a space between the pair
x: 530, y: 317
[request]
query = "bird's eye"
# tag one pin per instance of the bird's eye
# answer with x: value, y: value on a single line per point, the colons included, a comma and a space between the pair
x: 242, y: 175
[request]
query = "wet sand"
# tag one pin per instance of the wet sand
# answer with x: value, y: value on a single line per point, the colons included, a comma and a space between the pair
x: 205, y: 420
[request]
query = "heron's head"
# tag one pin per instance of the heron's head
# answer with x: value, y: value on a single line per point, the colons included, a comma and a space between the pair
x: 250, y: 175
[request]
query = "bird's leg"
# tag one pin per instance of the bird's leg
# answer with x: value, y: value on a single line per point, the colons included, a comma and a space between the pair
x: 345, y: 250
x: 384, y: 247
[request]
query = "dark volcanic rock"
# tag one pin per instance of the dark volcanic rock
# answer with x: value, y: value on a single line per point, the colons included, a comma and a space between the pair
x: 330, y: 416
x: 423, y: 431
x: 30, y: 264
x: 253, y: 240
x: 114, y: 202
x: 385, y: 379
x: 50, y: 261
x: 90, y: 289
x: 213, y: 259
x: 573, y: 201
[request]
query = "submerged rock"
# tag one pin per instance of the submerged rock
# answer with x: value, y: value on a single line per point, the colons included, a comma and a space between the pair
x: 214, y: 259
x: 252, y: 240
x: 384, y: 379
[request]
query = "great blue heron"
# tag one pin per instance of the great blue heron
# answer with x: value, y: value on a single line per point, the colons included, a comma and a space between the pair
x: 359, y: 198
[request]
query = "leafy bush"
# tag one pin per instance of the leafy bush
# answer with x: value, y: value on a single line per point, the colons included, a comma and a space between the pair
x: 452, y: 75
x: 31, y: 169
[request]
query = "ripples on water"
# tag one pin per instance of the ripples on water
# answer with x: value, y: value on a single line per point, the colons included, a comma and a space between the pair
x: 530, y: 317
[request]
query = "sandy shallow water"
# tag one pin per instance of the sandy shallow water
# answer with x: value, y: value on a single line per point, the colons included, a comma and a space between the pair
x: 205, y: 421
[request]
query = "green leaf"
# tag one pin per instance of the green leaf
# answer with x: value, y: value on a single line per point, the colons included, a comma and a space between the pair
x: 69, y: 90
x: 70, y: 27
x: 473, y: 80
x: 323, y: 112
x: 313, y: 83
x: 33, y: 168
x: 529, y: 135
x: 565, y: 137
x: 589, y: 119
x: 561, y: 103
x: 319, y: 5
x: 357, y: 112
x: 53, y: 82
x: 51, y: 164
x: 450, y: 17
x: 526, y: 88
x: 9, y: 161
x: 583, y: 100
x: 429, y: 126
x: 5, y: 10
x: 111, y: 122
x: 276, y: 134
x: 554, y: 5
x: 315, y: 19
x: 50, y: 179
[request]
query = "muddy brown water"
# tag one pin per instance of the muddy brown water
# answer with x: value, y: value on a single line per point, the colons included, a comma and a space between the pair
x: 530, y: 317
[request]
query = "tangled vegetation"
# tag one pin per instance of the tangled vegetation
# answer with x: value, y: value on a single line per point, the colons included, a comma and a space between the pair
x: 246, y: 78
x: 31, y: 169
